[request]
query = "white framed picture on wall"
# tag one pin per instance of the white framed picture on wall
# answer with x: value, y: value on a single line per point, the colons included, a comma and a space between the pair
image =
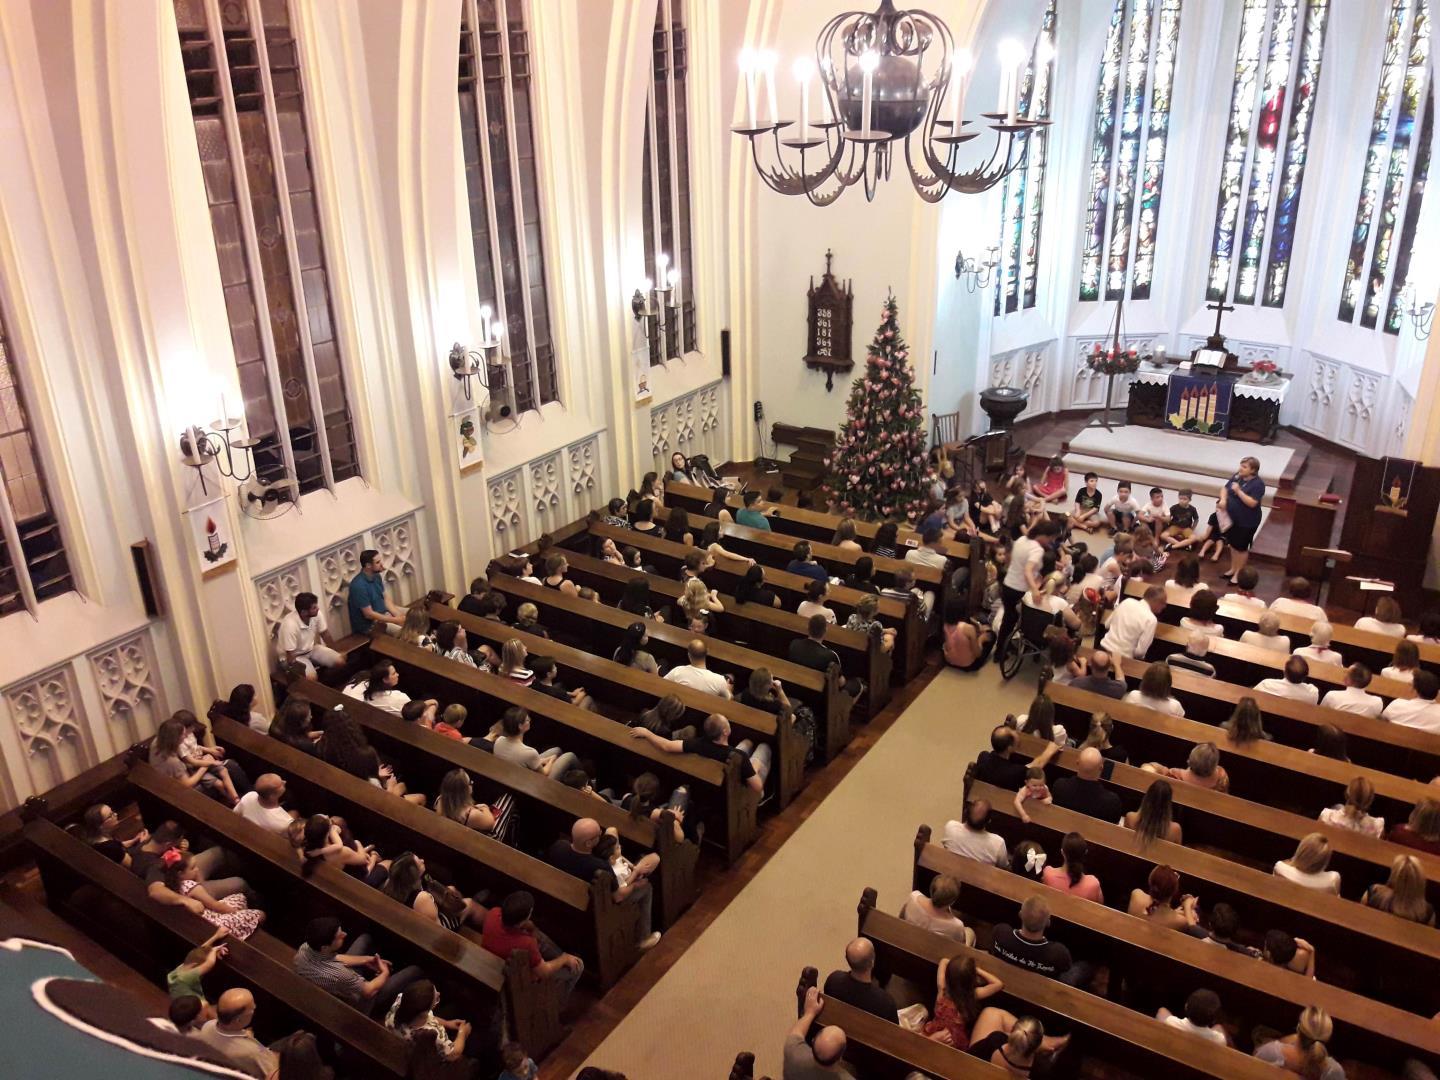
x: 211, y: 537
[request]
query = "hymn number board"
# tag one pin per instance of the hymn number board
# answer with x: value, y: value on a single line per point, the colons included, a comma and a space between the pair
x: 830, y: 317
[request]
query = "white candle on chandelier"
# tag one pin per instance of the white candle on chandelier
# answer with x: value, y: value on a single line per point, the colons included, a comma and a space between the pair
x: 770, y: 87
x: 960, y: 74
x: 1044, y: 53
x: 661, y: 262
x: 747, y: 75
x: 485, y: 324
x: 868, y: 63
x: 803, y: 69
x: 1012, y: 54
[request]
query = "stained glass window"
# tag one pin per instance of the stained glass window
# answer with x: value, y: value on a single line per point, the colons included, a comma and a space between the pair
x: 1024, y: 191
x: 1261, y: 147
x: 1127, y: 149
x: 666, y: 175
x: 1390, y: 72
x: 1394, y: 313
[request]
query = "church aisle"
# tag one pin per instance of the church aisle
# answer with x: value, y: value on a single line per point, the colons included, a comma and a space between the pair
x: 733, y: 989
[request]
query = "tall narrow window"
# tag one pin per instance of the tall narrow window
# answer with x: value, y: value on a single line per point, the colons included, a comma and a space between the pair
x: 502, y: 179
x: 33, y: 565
x: 1394, y: 164
x: 1127, y: 150
x: 247, y: 100
x: 1260, y: 142
x: 666, y: 175
x: 1024, y: 192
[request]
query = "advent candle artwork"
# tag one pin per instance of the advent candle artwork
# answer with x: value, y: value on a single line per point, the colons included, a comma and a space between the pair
x: 215, y: 548
x: 210, y: 533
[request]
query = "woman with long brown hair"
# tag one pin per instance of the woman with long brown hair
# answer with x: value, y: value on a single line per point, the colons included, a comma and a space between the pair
x: 960, y: 987
x: 1155, y: 819
x: 1403, y: 895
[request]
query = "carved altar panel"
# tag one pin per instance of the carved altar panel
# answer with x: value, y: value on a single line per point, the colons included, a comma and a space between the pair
x: 338, y: 566
x: 400, y: 555
x: 49, y: 717
x: 505, y: 517
x: 1321, y: 390
x: 1358, y: 418
x: 582, y: 463
x: 277, y: 591
x: 128, y: 680
x: 1400, y: 410
x: 1087, y: 387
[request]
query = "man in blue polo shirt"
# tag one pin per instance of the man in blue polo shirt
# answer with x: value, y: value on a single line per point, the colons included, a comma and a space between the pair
x: 367, y: 596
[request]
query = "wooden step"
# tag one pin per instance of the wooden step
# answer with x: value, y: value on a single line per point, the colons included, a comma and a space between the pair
x: 803, y: 437
x: 809, y: 456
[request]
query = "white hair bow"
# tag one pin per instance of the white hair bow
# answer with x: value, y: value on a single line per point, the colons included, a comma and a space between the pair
x: 1034, y: 861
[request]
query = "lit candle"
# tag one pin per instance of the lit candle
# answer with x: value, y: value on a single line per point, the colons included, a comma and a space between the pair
x: 964, y: 62
x: 747, y: 75
x: 1044, y: 53
x: 485, y: 323
x: 1012, y: 54
x: 770, y: 87
x: 661, y: 262
x: 802, y: 70
x: 673, y: 277
x: 868, y: 63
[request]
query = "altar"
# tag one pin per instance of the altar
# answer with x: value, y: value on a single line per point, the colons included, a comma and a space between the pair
x: 1222, y: 404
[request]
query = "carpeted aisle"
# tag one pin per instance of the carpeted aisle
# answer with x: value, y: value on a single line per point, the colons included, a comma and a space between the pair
x: 734, y: 988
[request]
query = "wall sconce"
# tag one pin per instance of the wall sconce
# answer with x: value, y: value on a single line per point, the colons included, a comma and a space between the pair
x: 466, y: 364
x: 977, y: 275
x: 1422, y: 316
x: 652, y: 304
x: 233, y: 458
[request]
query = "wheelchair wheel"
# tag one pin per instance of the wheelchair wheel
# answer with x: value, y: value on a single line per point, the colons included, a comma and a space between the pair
x: 1013, y: 657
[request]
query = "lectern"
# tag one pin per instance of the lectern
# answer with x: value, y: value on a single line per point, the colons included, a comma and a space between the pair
x: 1387, y: 530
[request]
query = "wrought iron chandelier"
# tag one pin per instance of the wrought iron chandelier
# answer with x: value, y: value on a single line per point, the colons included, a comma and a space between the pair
x: 886, y: 77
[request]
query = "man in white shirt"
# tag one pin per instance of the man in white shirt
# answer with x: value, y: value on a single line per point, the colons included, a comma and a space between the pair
x: 1022, y: 575
x: 1293, y: 685
x: 973, y: 839
x: 932, y: 550
x: 1421, y: 711
x: 1202, y: 1010
x: 303, y: 638
x: 229, y: 1034
x: 1297, y: 601
x: 1132, y: 627
x: 696, y: 676
x: 1319, y: 651
x: 1354, y: 698
x: 262, y: 806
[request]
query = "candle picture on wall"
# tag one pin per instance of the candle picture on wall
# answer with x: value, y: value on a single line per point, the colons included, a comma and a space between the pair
x: 210, y: 533
x: 467, y: 440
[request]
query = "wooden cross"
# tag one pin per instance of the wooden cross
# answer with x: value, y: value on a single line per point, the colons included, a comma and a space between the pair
x: 1219, y: 307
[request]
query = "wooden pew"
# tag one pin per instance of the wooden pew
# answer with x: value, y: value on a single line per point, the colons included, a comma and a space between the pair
x: 1396, y: 748
x: 1260, y: 835
x: 1356, y: 646
x: 66, y: 800
x: 1259, y: 992
x: 584, y: 919
x: 904, y: 617
x: 716, y: 790
x: 631, y: 691
x: 769, y: 629
x: 547, y: 808
x: 1279, y: 775
x: 292, y: 898
x: 1345, y: 933
x: 881, y: 1049
x: 1248, y: 664
x: 109, y: 903
x: 1103, y: 1031
x: 805, y: 524
x: 596, y: 628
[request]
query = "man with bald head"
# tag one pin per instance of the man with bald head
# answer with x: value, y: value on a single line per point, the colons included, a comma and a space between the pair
x: 822, y: 1060
x: 1085, y: 792
x: 262, y: 806
x: 577, y: 857
x: 857, y: 986
x: 1100, y: 676
x: 229, y: 1034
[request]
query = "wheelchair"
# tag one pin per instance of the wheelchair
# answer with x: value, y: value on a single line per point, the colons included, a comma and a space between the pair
x: 1030, y: 639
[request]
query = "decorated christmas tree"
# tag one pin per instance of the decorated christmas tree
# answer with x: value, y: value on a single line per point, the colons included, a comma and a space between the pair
x: 879, y: 468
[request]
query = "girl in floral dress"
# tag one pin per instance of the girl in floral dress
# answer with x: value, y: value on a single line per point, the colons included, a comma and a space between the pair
x: 232, y: 912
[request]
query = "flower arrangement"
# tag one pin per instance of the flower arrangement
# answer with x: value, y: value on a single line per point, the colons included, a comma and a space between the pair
x: 1264, y: 370
x: 1108, y: 360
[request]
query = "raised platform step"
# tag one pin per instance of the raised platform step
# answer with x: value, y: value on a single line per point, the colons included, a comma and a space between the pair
x: 810, y: 456
x: 1178, y: 452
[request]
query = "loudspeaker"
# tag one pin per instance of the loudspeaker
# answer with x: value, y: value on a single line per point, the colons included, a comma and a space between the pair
x: 725, y: 354
x: 148, y: 578
x: 759, y: 411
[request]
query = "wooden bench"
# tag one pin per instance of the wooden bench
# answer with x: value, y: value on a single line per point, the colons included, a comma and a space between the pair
x: 109, y: 903
x: 66, y: 800
x: 546, y: 808
x: 1260, y: 992
x: 1346, y: 934
x: 629, y: 691
x: 1259, y: 835
x: 1396, y: 748
x: 903, y: 616
x: 1269, y: 772
x: 768, y: 629
x: 716, y: 790
x: 1101, y: 1030
x: 596, y: 628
